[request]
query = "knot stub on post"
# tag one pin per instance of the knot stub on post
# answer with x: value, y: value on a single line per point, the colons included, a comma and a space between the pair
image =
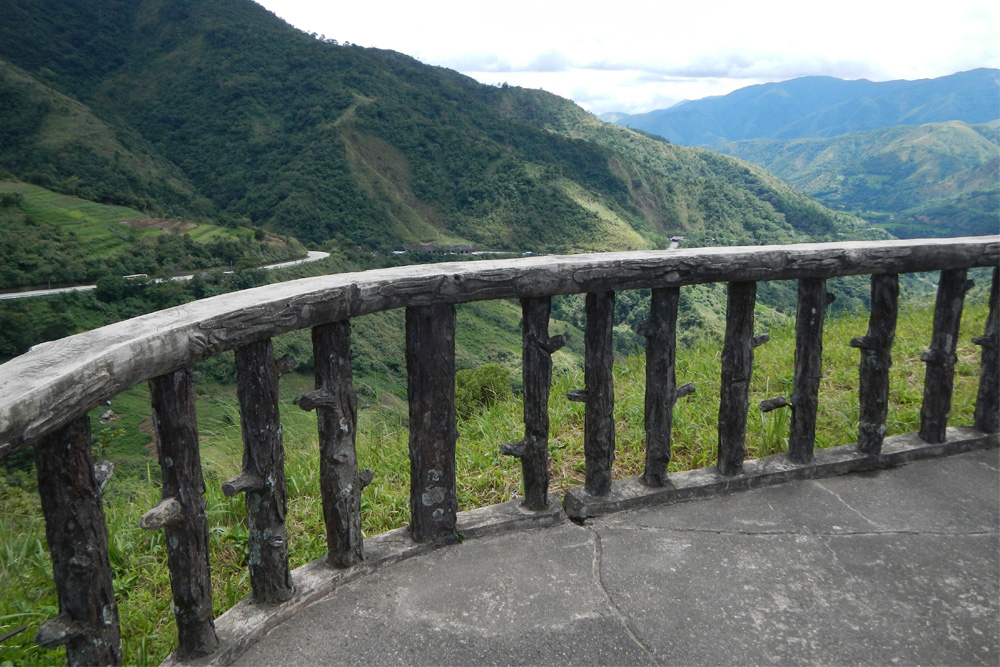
x: 774, y: 403
x: 58, y: 631
x: 577, y: 395
x: 315, y: 399
x: 243, y: 482
x: 516, y: 449
x: 553, y: 344
x: 685, y: 389
x: 167, y: 512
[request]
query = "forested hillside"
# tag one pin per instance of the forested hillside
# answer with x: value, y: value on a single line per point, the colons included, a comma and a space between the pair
x: 939, y: 179
x: 218, y: 109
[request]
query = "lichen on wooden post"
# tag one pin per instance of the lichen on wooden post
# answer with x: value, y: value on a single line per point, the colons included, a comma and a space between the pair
x: 337, y: 418
x: 737, y: 368
x: 941, y: 356
x: 186, y: 528
x: 77, y: 536
x: 536, y: 374
x: 876, y: 358
x: 987, y: 413
x: 809, y: 316
x: 660, y: 332
x: 263, y: 476
x: 599, y: 420
x: 430, y: 370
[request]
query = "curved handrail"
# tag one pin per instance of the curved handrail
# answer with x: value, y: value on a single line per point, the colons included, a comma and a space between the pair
x: 53, y: 382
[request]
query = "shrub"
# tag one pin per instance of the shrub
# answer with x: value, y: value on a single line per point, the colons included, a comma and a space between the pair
x: 480, y: 388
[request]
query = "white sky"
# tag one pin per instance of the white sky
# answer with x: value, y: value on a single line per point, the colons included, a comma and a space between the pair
x: 643, y: 55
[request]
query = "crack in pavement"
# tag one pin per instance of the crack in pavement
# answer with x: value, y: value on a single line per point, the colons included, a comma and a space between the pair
x: 847, y: 505
x: 599, y: 580
x: 805, y: 533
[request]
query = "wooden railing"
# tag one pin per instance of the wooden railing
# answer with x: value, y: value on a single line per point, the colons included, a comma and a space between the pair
x: 46, y: 393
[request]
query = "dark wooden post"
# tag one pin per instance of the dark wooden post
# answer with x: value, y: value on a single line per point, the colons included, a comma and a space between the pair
x: 876, y: 358
x: 599, y: 419
x: 181, y: 513
x: 337, y: 419
x: 77, y: 535
x: 987, y: 414
x: 263, y: 476
x: 737, y: 368
x: 660, y: 332
x: 941, y: 357
x: 809, y: 317
x: 536, y: 373
x: 430, y: 370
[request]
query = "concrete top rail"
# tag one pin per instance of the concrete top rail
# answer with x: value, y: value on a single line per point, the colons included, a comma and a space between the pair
x: 54, y: 382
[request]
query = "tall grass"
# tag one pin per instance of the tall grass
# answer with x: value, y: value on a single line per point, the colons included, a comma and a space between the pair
x: 484, y: 476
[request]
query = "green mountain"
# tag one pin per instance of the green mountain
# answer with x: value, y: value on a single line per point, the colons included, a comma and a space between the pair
x: 822, y: 106
x: 218, y: 109
x: 939, y: 179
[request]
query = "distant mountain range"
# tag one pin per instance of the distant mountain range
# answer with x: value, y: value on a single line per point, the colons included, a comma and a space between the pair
x: 938, y: 179
x: 822, y: 106
x: 919, y: 158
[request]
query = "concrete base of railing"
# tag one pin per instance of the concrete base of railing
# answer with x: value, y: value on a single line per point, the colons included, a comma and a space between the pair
x: 242, y: 625
x: 632, y: 494
x: 245, y: 623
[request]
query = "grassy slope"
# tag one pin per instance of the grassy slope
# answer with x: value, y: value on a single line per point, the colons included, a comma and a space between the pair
x: 45, y: 231
x: 484, y: 476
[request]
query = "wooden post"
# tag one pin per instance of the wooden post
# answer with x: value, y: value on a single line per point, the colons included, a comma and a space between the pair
x: 599, y: 420
x: 876, y: 358
x: 173, y: 401
x: 430, y: 370
x: 737, y: 367
x: 263, y: 476
x: 941, y: 357
x: 77, y: 535
x: 987, y: 414
x: 536, y: 373
x: 660, y: 332
x: 337, y: 419
x: 809, y: 317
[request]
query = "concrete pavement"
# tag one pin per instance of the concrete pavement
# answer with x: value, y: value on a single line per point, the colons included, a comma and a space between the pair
x: 896, y: 566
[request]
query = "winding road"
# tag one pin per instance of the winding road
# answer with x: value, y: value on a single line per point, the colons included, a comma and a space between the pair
x: 312, y: 256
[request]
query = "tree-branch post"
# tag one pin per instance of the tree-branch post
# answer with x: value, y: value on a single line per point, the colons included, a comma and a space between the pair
x: 987, y: 413
x: 661, y: 382
x: 337, y: 418
x: 599, y: 420
x: 263, y: 472
x: 737, y: 368
x: 430, y: 369
x: 941, y: 356
x: 77, y: 535
x: 173, y: 400
x: 876, y: 358
x: 809, y: 317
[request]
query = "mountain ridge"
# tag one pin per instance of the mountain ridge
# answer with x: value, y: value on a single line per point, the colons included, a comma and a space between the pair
x: 924, y: 180
x: 823, y: 106
x: 352, y: 146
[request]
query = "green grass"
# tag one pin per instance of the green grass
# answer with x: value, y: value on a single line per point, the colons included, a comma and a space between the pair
x: 484, y: 476
x: 97, y: 228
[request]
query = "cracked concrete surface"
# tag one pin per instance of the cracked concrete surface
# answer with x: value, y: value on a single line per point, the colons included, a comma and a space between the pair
x: 896, y: 566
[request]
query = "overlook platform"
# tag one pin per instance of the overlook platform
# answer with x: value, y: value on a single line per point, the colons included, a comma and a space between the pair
x: 897, y: 566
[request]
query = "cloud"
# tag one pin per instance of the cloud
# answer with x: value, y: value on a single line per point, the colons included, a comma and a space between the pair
x: 650, y: 54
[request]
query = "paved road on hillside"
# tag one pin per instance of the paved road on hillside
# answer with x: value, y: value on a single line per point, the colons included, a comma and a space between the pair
x: 313, y: 256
